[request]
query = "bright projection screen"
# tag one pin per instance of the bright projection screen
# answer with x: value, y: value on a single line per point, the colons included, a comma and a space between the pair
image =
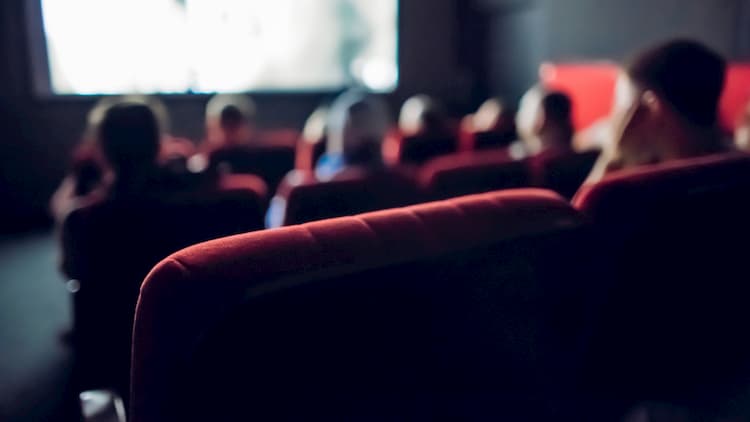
x: 205, y: 46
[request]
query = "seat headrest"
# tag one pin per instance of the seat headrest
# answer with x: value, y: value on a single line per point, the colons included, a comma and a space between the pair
x: 374, y: 239
x: 678, y: 178
x: 191, y: 290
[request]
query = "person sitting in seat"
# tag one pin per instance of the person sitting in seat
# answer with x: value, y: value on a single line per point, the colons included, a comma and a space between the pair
x: 544, y: 124
x: 422, y: 114
x: 742, y: 133
x: 230, y: 121
x: 424, y: 133
x: 312, y: 145
x: 356, y: 129
x: 128, y: 140
x: 492, y: 126
x: 666, y: 107
x: 357, y: 126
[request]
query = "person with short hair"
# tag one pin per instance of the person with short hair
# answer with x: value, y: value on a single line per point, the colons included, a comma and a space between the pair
x: 357, y: 126
x: 544, y: 123
x: 422, y: 114
x: 126, y: 136
x: 491, y: 126
x: 230, y: 120
x: 666, y: 107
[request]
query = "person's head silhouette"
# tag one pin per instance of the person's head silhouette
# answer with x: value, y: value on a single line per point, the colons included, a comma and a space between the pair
x: 230, y: 120
x: 666, y: 104
x: 129, y: 138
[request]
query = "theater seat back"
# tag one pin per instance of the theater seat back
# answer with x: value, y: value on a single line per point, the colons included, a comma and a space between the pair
x: 472, y: 173
x: 672, y: 326
x: 350, y: 193
x: 270, y: 161
x: 308, y: 153
x: 563, y: 173
x: 492, y: 140
x: 110, y: 247
x: 464, y: 309
x: 419, y: 149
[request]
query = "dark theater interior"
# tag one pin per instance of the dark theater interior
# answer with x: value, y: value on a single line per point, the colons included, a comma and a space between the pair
x: 374, y: 210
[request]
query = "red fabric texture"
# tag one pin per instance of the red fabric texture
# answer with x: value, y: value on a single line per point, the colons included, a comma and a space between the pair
x: 351, y: 192
x: 189, y: 291
x: 673, y: 318
x: 673, y: 178
x: 471, y: 173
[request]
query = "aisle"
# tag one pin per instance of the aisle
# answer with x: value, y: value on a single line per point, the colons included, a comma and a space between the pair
x: 34, y: 314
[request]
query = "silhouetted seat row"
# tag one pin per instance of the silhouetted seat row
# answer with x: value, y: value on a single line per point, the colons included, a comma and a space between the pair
x: 108, y: 248
x: 306, y: 199
x: 673, y: 320
x: 449, y: 302
x: 511, y: 305
x: 271, y: 158
x: 133, y: 236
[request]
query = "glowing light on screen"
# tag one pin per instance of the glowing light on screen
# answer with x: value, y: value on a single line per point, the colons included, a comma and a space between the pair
x: 175, y: 46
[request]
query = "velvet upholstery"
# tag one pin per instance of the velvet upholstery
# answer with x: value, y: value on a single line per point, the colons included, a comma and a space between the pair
x: 447, y: 310
x: 471, y: 173
x: 673, y: 324
x: 354, y: 191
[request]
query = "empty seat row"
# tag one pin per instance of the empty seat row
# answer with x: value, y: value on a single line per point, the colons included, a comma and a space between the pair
x: 510, y: 305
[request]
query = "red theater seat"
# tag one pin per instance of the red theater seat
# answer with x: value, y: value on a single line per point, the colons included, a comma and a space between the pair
x: 304, y: 198
x: 418, y: 149
x: 473, y: 141
x: 563, y: 172
x: 271, y: 158
x: 673, y: 326
x: 448, y: 310
x: 308, y: 153
x: 470, y: 173
x: 109, y: 247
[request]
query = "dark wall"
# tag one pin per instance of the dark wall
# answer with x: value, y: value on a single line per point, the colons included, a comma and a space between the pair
x: 527, y: 32
x: 38, y: 134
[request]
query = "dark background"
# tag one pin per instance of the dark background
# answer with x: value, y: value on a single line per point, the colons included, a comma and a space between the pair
x: 460, y: 50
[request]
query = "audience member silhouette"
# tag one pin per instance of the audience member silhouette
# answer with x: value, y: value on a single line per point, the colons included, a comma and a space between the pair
x: 357, y: 126
x: 424, y: 133
x: 422, y: 115
x: 493, y: 125
x: 312, y: 145
x: 230, y: 121
x: 666, y: 107
x: 544, y: 123
x: 125, y: 137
